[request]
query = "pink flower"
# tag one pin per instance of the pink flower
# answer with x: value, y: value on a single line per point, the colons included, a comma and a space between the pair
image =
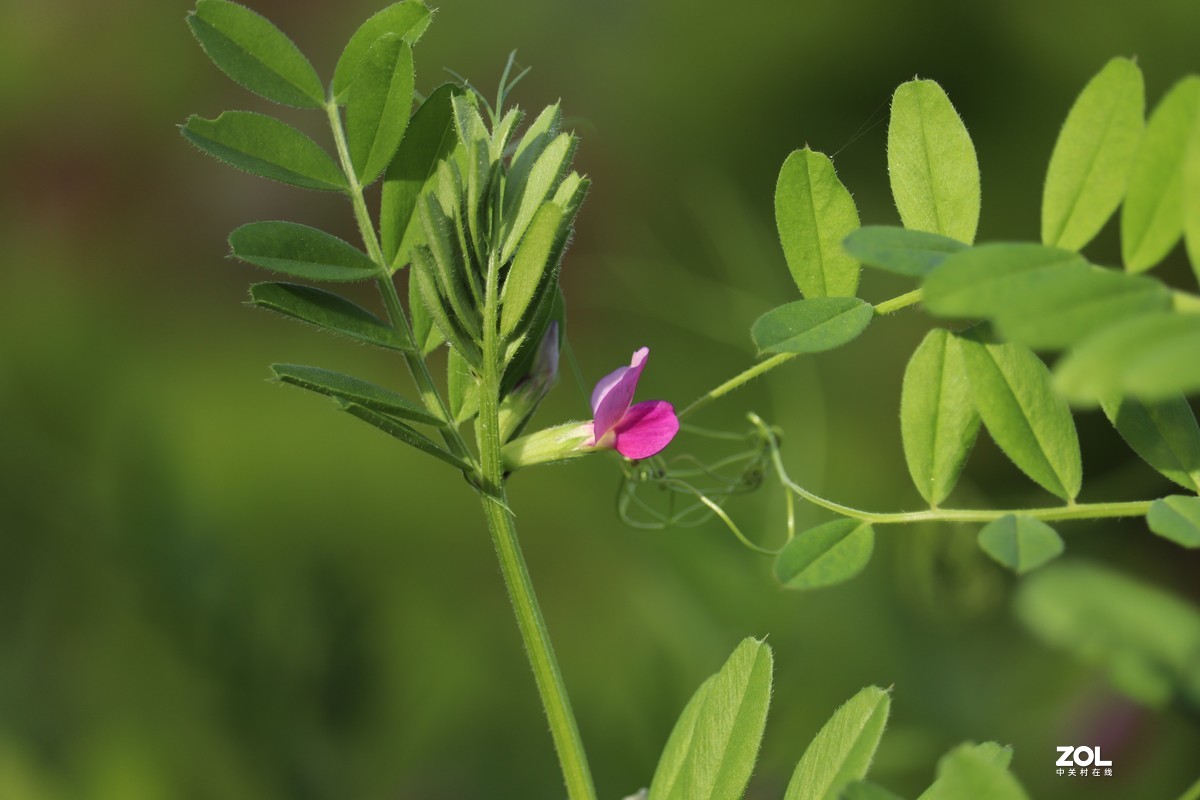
x: 635, y: 431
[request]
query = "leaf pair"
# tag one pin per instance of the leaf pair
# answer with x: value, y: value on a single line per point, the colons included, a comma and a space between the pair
x: 954, y: 381
x: 375, y: 74
x: 1107, y: 154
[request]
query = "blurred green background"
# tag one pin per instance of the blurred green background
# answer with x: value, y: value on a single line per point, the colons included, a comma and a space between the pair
x: 215, y: 587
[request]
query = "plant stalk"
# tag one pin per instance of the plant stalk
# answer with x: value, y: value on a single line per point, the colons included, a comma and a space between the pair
x: 548, y: 677
x: 430, y: 396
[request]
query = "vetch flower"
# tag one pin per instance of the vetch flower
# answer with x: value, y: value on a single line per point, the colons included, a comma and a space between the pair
x: 635, y: 431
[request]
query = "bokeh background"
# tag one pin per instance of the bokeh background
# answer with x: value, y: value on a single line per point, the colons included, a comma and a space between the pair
x: 215, y: 587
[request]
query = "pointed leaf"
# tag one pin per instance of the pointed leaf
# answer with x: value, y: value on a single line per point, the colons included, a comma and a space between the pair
x: 1089, y: 168
x: 1020, y: 543
x: 399, y: 430
x: 256, y: 54
x: 1164, y: 433
x: 352, y: 390
x: 407, y: 19
x: 814, y: 213
x: 1152, y: 217
x: 728, y: 729
x: 679, y: 744
x: 544, y: 177
x: 527, y: 277
x: 428, y: 139
x: 825, y: 555
x: 328, y: 311
x: 1176, y: 518
x: 1151, y: 357
x: 932, y: 164
x: 300, y: 251
x: 842, y: 751
x: 1191, y: 211
x: 1039, y: 296
x: 900, y: 250
x: 938, y: 421
x: 811, y: 326
x: 967, y: 771
x: 379, y: 105
x: 462, y: 390
x: 425, y: 333
x: 1015, y: 397
x: 264, y: 146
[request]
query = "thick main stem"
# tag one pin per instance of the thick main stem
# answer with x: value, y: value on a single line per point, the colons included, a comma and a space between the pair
x: 553, y: 692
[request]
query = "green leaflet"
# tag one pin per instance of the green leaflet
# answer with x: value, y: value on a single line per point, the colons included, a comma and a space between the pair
x: 425, y: 333
x: 1151, y: 357
x: 825, y: 555
x: 425, y: 273
x: 1089, y: 168
x: 813, y: 213
x: 352, y: 390
x: 428, y: 139
x: 1164, y: 433
x: 900, y: 250
x: 404, y: 433
x: 1043, y: 297
x: 523, y: 199
x: 727, y: 732
x: 811, y: 326
x: 328, y: 311
x: 938, y: 421
x: 1153, y: 214
x: 378, y: 107
x: 1015, y: 397
x: 1020, y: 543
x: 842, y: 751
x: 1191, y: 213
x: 300, y: 251
x: 931, y: 163
x: 407, y: 19
x: 1144, y: 638
x: 462, y: 390
x: 528, y: 277
x: 679, y: 744
x: 256, y: 54
x: 1176, y: 518
x: 975, y: 771
x: 264, y: 146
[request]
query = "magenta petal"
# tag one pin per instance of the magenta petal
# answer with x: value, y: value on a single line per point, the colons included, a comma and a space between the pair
x: 614, y: 393
x: 646, y: 429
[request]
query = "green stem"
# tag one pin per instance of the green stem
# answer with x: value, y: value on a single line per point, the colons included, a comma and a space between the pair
x: 1136, y: 508
x: 563, y: 729
x: 430, y: 396
x: 896, y: 303
x: 761, y: 368
x: 737, y: 381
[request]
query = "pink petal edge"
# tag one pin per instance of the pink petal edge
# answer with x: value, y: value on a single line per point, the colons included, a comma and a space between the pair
x: 646, y: 429
x: 614, y: 393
